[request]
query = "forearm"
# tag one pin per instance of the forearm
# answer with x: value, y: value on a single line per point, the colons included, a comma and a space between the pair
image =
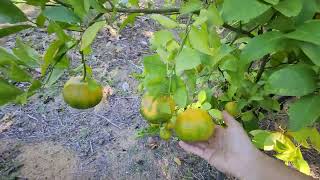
x: 264, y: 167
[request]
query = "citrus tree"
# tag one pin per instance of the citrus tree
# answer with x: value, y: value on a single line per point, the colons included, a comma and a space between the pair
x: 254, y: 58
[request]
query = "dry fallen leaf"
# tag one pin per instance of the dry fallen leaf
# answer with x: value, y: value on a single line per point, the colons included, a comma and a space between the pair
x: 177, y: 161
x: 107, y: 91
x: 6, y: 122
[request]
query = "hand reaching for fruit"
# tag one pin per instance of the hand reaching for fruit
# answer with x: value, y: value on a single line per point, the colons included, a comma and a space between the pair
x: 226, y: 148
x: 231, y: 151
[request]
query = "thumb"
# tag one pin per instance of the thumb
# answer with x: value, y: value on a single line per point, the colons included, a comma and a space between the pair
x: 197, y: 150
x: 228, y: 119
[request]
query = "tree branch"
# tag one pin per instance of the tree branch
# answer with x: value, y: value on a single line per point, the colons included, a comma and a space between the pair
x: 265, y: 59
x: 145, y: 11
x: 174, y: 11
x: 157, y: 11
x: 241, y: 31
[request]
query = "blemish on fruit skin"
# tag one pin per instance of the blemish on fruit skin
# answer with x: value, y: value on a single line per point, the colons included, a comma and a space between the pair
x: 194, y: 125
x: 151, y: 108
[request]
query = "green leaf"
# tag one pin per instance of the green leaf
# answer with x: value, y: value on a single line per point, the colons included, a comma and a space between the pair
x: 37, y: 2
x: 304, y: 112
x: 289, y: 8
x: 97, y: 6
x: 165, y: 21
x: 55, y: 75
x: 80, y: 7
x: 262, y: 45
x: 191, y: 6
x: 36, y: 84
x: 202, y: 96
x: 308, y: 32
x: 259, y: 138
x: 6, y: 57
x: 229, y: 63
x: 245, y: 10
x: 282, y: 23
x: 8, y: 92
x: 312, y: 51
x: 155, y: 72
x: 273, y: 2
x: 251, y: 125
x: 58, y: 71
x: 180, y: 94
x: 90, y: 34
x: 41, y: 19
x: 264, y: 18
x: 61, y: 14
x: 199, y: 40
x: 216, y: 114
x: 294, y: 80
x: 161, y: 38
x: 9, y: 13
x: 26, y: 54
x: 202, y: 18
x: 153, y: 65
x: 220, y: 54
x: 54, y: 27
x: 213, y: 16
x: 206, y: 106
x: 18, y: 74
x: 13, y: 29
x: 187, y: 59
x: 309, y: 8
x: 270, y: 104
x: 50, y: 54
x: 129, y: 20
x: 191, y: 82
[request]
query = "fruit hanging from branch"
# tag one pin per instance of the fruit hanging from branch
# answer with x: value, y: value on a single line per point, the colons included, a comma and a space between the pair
x: 82, y: 94
x: 157, y: 110
x: 194, y: 125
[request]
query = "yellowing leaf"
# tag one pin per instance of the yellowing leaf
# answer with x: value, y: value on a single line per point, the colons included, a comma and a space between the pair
x: 315, y: 139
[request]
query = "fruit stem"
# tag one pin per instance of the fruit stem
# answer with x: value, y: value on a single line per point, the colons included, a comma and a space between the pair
x: 84, y: 66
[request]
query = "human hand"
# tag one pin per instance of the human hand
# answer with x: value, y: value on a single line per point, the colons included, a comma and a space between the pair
x: 229, y: 150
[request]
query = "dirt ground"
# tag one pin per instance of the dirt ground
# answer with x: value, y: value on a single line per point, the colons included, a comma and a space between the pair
x: 46, y: 139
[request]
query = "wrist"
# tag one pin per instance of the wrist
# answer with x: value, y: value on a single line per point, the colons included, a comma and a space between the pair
x: 250, y: 166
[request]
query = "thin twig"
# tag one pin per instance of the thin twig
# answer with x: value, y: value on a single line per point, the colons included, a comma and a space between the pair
x: 264, y: 60
x: 128, y: 97
x: 111, y: 4
x: 58, y: 59
x: 32, y: 117
x: 144, y: 11
x: 241, y: 31
x: 187, y: 31
x: 84, y: 66
x: 108, y: 120
x: 91, y: 148
x: 157, y: 11
x: 95, y: 18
